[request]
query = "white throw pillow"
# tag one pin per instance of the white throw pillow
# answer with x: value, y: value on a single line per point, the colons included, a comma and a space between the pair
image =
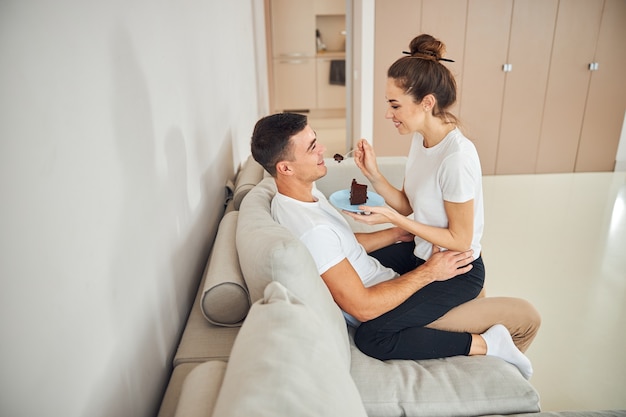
x: 284, y: 363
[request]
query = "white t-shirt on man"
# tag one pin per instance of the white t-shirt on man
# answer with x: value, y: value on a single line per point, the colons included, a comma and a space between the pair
x: 328, y: 237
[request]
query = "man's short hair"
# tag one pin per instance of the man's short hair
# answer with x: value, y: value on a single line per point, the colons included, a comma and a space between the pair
x: 270, y: 138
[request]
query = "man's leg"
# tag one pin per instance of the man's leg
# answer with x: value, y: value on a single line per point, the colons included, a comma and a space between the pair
x: 401, y: 332
x: 476, y: 316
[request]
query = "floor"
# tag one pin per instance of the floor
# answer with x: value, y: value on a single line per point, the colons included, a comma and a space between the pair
x: 559, y: 241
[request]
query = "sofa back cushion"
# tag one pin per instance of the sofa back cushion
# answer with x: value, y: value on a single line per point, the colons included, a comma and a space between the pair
x: 249, y: 175
x: 284, y: 363
x: 225, y: 300
x: 269, y: 252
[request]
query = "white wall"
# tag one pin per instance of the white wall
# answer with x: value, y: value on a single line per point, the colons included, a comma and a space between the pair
x: 120, y: 122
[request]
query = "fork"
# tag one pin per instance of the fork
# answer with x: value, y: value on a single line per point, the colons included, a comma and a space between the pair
x: 340, y: 158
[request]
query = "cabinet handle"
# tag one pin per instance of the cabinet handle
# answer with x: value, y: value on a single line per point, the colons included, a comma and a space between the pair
x: 292, y: 55
x: 593, y: 66
x: 507, y: 67
x: 292, y: 61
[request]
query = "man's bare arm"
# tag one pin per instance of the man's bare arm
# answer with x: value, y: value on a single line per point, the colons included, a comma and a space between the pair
x: 376, y: 240
x: 366, y: 304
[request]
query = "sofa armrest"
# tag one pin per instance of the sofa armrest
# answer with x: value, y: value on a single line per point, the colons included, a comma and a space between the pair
x: 193, y: 389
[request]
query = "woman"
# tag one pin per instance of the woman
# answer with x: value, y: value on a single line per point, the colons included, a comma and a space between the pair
x: 443, y: 180
x: 442, y: 190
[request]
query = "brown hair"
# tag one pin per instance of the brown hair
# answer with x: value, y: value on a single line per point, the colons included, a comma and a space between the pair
x: 270, y: 138
x: 421, y: 73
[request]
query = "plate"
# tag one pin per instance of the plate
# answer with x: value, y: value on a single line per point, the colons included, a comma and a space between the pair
x: 341, y: 200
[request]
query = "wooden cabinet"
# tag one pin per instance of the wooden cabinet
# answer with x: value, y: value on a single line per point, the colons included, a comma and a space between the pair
x: 575, y: 40
x: 293, y: 28
x: 327, y: 7
x: 506, y: 73
x: 393, y: 31
x: 606, y: 97
x: 329, y: 96
x: 446, y: 19
x: 293, y: 89
x: 486, y: 45
x: 293, y: 54
x: 300, y: 75
x: 525, y: 82
x: 527, y: 96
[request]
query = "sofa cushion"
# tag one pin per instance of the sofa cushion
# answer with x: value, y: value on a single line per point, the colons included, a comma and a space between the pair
x: 225, y: 300
x: 456, y: 386
x: 284, y: 363
x: 269, y: 252
x: 200, y: 390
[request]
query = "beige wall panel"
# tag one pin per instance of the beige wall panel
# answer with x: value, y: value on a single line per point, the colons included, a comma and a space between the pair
x: 445, y: 20
x: 396, y: 23
x: 606, y: 100
x: 530, y: 46
x: 575, y: 40
x: 488, y: 27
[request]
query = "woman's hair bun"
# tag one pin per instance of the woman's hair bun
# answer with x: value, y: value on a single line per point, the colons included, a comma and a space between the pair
x: 426, y: 46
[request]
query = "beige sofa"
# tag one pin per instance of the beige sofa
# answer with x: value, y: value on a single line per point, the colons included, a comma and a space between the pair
x: 265, y: 338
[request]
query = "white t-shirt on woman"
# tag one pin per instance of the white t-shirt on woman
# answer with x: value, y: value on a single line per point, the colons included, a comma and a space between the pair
x: 448, y: 171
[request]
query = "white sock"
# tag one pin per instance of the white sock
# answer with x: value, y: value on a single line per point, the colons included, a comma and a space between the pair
x: 500, y: 344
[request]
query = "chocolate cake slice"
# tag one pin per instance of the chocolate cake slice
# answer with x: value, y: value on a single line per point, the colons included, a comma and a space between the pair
x: 358, y: 193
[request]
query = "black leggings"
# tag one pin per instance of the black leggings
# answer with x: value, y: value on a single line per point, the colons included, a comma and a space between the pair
x: 400, y: 333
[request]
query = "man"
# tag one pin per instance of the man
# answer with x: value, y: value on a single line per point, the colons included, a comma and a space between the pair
x: 415, y: 324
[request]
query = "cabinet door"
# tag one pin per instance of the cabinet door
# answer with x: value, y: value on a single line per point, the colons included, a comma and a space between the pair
x: 606, y: 101
x: 393, y: 33
x: 445, y: 20
x: 330, y: 6
x: 488, y: 27
x: 530, y: 46
x: 575, y: 39
x: 329, y: 96
x: 294, y: 84
x: 293, y: 28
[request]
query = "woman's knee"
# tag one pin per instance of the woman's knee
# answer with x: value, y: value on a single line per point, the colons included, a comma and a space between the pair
x: 527, y: 326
